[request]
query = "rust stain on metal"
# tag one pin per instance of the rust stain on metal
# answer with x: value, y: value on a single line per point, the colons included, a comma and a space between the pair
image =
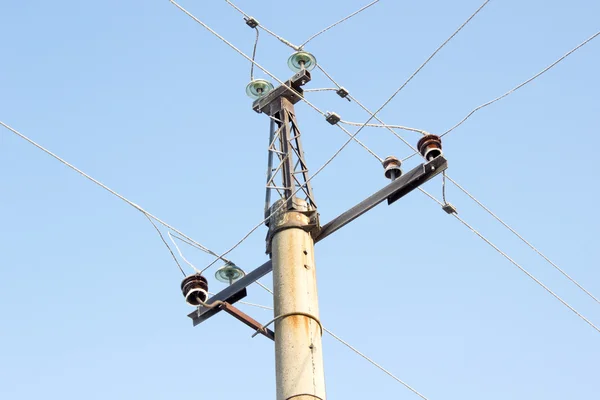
x: 246, y: 319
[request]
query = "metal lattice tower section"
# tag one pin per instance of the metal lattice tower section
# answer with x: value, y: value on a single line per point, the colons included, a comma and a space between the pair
x: 287, y: 170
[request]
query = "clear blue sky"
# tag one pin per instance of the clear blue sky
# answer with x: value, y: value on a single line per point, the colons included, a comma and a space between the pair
x: 144, y: 99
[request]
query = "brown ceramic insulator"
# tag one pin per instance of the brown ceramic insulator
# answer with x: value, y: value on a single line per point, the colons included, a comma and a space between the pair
x: 392, y: 166
x: 430, y: 147
x: 195, y: 289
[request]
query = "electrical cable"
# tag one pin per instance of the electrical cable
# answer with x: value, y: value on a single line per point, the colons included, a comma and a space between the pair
x: 320, y: 90
x: 522, y: 239
x: 181, y: 254
x: 404, y: 128
x: 254, y: 55
x: 523, y: 83
x: 370, y: 360
x: 111, y: 191
x: 374, y: 115
x: 166, y: 244
x: 444, y: 177
x: 390, y: 127
x: 337, y: 23
x: 282, y: 40
x: 427, y: 61
x: 515, y: 263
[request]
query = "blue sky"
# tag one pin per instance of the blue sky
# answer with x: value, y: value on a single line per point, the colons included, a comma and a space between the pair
x: 144, y: 99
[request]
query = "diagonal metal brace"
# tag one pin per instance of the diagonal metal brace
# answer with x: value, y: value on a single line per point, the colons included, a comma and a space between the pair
x: 248, y: 320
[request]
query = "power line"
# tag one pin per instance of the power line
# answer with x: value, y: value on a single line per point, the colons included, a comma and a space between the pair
x: 404, y: 128
x: 254, y: 54
x: 491, y: 213
x: 371, y: 113
x: 375, y: 364
x: 504, y: 254
x: 515, y: 263
x: 181, y: 254
x: 523, y: 83
x: 276, y: 36
x: 337, y: 23
x: 523, y: 239
x: 428, y: 59
x: 165, y: 242
x: 374, y: 115
x: 391, y: 127
x: 111, y: 191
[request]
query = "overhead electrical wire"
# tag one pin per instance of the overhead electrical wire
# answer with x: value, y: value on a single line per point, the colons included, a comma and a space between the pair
x: 287, y: 42
x: 523, y: 239
x: 337, y: 23
x: 181, y: 254
x: 391, y: 127
x: 504, y: 254
x: 523, y: 83
x: 485, y: 3
x: 415, y: 73
x: 546, y: 288
x: 510, y: 259
x: 166, y: 244
x: 320, y: 90
x: 111, y: 191
x: 254, y: 54
x: 282, y: 40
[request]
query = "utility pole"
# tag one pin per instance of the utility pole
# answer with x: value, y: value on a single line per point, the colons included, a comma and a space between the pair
x: 293, y: 222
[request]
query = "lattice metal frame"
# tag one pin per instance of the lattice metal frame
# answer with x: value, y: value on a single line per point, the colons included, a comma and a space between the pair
x: 290, y: 172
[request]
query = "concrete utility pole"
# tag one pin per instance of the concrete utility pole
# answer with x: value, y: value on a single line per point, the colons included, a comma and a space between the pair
x: 293, y: 219
x: 298, y: 349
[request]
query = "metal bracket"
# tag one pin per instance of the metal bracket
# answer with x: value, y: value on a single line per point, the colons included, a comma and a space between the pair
x: 343, y: 93
x: 449, y: 208
x: 248, y: 320
x: 291, y: 90
x: 251, y: 22
x: 332, y: 117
